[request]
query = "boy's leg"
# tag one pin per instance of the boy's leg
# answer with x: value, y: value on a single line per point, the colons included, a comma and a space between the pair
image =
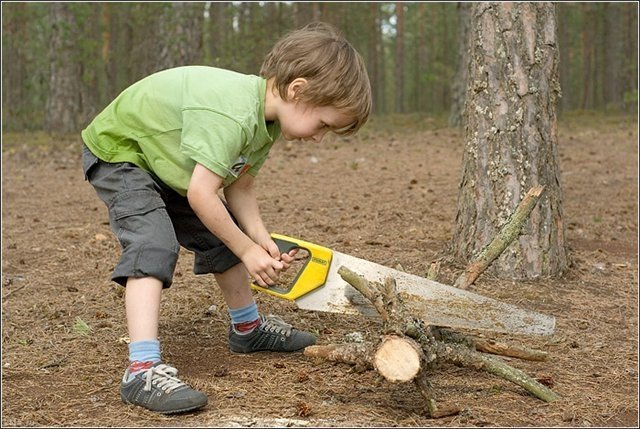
x: 142, y: 302
x: 249, y: 332
x: 234, y: 284
x: 138, y: 218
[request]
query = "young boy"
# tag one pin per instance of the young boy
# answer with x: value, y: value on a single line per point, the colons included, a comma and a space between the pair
x: 159, y: 153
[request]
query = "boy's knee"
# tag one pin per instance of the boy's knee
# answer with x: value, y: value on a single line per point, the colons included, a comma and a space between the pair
x: 146, y: 260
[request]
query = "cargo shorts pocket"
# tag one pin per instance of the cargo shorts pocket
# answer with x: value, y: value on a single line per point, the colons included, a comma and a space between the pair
x: 140, y: 216
x: 134, y: 202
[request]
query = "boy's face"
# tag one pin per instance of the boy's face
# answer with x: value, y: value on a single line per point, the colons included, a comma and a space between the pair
x: 302, y: 121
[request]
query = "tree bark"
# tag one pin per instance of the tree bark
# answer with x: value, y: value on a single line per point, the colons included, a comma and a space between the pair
x: 511, y: 138
x: 422, y: 60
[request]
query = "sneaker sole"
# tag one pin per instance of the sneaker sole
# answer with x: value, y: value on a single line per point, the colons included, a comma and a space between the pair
x: 267, y: 351
x: 182, y: 410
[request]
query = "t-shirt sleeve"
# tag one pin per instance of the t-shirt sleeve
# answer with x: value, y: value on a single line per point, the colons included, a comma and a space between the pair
x: 211, y: 139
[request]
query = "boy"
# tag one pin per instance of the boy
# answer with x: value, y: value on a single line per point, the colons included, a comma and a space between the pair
x: 159, y: 153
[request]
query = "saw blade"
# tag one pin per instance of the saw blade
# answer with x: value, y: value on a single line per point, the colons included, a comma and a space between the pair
x: 437, y: 304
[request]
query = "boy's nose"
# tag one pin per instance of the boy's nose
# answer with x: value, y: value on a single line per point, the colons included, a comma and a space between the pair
x: 318, y: 137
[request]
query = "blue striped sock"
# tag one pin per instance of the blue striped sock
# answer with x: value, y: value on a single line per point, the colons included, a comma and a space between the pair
x: 143, y: 351
x: 245, y: 316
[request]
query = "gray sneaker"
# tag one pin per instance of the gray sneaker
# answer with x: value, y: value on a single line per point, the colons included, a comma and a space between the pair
x: 158, y: 389
x: 273, y: 334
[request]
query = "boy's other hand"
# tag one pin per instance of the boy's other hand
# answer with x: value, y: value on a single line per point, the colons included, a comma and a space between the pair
x: 288, y: 258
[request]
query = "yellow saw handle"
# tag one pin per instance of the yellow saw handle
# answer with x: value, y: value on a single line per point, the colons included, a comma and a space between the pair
x: 311, y: 276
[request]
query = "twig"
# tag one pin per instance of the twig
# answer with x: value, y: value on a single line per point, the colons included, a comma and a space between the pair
x: 489, y: 346
x: 520, y: 352
x: 11, y: 292
x: 509, y: 231
x: 362, y: 285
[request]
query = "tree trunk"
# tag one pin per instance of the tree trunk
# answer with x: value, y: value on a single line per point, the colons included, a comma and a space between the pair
x: 302, y: 13
x: 63, y: 102
x: 460, y: 80
x: 181, y: 33
x: 613, y: 56
x: 379, y: 83
x: 630, y: 81
x: 14, y: 35
x: 373, y: 52
x: 587, y: 57
x: 399, y: 72
x: 511, y: 138
x: 422, y: 60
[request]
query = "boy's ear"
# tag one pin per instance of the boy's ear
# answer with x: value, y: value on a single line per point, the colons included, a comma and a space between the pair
x: 295, y: 85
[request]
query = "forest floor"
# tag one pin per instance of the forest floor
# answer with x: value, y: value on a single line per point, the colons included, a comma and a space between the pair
x: 389, y: 196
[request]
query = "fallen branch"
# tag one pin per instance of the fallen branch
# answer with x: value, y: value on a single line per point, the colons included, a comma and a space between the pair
x: 358, y: 354
x: 461, y: 356
x: 509, y: 231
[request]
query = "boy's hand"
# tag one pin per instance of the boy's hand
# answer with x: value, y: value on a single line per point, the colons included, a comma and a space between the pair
x: 272, y: 273
x: 262, y: 267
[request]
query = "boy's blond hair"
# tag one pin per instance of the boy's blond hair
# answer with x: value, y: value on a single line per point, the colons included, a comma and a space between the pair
x: 334, y: 70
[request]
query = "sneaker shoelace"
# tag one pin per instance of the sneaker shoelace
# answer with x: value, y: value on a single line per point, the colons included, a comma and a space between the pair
x: 163, y: 376
x: 275, y: 324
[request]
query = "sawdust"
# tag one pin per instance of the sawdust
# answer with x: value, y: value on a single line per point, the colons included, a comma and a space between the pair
x: 387, y: 196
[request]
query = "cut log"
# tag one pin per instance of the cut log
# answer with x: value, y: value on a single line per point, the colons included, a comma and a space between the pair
x: 398, y: 359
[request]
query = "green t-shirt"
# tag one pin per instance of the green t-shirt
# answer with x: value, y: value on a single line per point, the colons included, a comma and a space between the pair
x: 173, y: 119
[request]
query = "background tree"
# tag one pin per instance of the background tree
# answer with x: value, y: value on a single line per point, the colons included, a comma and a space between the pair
x: 511, y: 138
x: 180, y: 26
x: 64, y: 97
x: 399, y: 71
x: 459, y: 84
x: 14, y: 61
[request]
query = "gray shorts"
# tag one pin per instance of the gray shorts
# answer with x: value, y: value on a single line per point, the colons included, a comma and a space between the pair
x: 151, y: 222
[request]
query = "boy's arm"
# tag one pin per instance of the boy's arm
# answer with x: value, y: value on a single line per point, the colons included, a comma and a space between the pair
x: 203, y: 198
x: 242, y: 201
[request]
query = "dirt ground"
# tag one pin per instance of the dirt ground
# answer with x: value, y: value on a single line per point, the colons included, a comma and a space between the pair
x: 388, y: 195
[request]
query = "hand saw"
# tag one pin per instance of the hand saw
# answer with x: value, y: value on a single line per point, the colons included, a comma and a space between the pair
x: 317, y: 286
